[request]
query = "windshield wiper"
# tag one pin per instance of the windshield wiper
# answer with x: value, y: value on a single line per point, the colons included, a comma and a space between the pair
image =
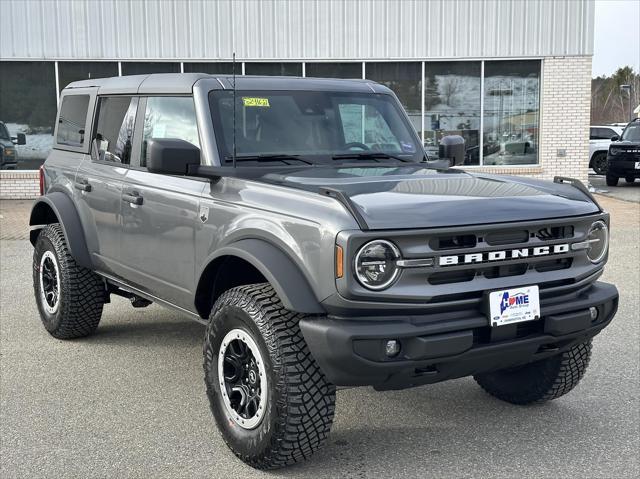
x: 273, y: 157
x: 373, y: 155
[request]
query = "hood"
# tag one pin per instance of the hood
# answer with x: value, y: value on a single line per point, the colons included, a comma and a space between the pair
x: 416, y: 197
x: 5, y: 142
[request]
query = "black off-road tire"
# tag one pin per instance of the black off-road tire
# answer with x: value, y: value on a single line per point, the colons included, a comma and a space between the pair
x: 599, y: 163
x: 300, y: 401
x: 612, y: 180
x: 81, y: 294
x: 540, y: 381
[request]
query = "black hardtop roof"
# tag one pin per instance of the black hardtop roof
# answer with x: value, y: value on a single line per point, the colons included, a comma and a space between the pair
x: 183, y: 83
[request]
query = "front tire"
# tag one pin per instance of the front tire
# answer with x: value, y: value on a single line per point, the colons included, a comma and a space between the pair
x: 599, y: 163
x: 69, y: 297
x: 612, y: 180
x: 540, y: 381
x: 271, y: 402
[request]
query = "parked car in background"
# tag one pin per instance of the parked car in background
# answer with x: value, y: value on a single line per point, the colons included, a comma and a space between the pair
x: 623, y: 160
x: 599, y: 140
x: 8, y: 153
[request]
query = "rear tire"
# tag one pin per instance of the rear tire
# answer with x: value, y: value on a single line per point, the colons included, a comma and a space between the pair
x: 540, y: 381
x: 288, y: 416
x: 612, y: 180
x: 69, y: 297
x: 599, y: 163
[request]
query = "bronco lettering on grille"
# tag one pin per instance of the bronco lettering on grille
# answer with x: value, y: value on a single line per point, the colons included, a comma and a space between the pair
x: 501, y: 255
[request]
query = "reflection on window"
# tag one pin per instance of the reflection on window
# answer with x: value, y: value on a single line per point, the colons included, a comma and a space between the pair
x: 273, y: 69
x: 511, y: 112
x: 334, y: 70
x: 211, y: 68
x: 73, y: 71
x: 169, y: 117
x: 145, y: 68
x: 114, y: 133
x: 28, y: 105
x: 73, y: 116
x: 405, y: 81
x: 452, y: 106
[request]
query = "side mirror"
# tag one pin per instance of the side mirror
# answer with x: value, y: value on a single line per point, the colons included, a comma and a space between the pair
x: 19, y: 139
x: 171, y: 156
x: 452, y: 148
x: 615, y: 138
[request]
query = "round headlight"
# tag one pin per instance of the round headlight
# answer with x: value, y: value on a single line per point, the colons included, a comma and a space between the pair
x: 375, y: 264
x: 614, y: 151
x: 598, y: 239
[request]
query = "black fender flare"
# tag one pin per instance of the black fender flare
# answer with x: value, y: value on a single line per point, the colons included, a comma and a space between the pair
x: 279, y: 269
x: 67, y: 215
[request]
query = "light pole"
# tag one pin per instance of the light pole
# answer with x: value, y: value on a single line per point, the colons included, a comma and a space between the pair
x: 627, y: 88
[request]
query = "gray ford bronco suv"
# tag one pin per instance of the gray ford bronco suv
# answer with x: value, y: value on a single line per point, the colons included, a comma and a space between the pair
x: 301, y: 221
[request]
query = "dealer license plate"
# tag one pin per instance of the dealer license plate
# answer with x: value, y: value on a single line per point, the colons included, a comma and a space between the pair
x: 514, y: 305
x: 637, y: 165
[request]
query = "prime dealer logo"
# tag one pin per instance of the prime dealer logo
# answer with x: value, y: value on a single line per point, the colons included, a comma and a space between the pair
x: 502, y: 255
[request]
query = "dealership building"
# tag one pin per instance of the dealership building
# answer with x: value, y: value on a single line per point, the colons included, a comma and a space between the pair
x: 512, y: 77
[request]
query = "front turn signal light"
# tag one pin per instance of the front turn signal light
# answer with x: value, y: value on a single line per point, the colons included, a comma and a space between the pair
x: 339, y: 262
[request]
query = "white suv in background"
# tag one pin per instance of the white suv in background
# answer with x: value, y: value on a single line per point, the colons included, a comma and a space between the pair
x: 599, y: 139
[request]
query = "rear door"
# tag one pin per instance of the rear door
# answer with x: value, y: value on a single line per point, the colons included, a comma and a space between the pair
x: 100, y: 177
x: 161, y: 214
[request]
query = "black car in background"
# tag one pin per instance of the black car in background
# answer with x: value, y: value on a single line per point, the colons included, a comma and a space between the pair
x: 8, y: 153
x: 623, y: 158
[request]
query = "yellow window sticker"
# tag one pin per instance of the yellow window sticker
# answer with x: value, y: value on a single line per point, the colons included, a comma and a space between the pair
x: 250, y: 101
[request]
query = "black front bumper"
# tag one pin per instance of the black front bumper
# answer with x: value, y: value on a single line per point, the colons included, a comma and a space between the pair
x: 623, y: 167
x: 350, y: 352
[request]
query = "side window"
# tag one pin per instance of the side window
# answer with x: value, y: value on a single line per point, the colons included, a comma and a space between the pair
x: 114, y: 131
x: 169, y: 117
x: 73, y: 116
x: 593, y: 134
x: 608, y: 133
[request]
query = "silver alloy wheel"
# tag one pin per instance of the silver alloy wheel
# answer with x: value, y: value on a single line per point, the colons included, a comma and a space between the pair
x: 49, y: 282
x: 243, y: 379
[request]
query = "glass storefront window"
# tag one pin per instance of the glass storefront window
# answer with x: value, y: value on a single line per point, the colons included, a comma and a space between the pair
x: 511, y: 112
x: 452, y: 106
x: 73, y: 71
x: 273, y: 69
x: 334, y: 70
x: 144, y: 68
x: 28, y: 105
x: 404, y: 78
x: 212, y: 68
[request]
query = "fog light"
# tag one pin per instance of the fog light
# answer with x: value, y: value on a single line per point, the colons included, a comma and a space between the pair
x: 392, y: 348
x: 593, y: 311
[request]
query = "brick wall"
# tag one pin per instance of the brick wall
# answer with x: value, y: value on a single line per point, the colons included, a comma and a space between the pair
x: 19, y: 185
x: 564, y: 121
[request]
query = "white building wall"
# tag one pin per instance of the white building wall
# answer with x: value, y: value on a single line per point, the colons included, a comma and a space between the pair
x: 294, y: 29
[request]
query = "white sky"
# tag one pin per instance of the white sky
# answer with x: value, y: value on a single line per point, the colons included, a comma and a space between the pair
x: 616, y: 36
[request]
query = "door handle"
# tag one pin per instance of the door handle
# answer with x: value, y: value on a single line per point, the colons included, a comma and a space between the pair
x: 83, y: 185
x: 132, y: 198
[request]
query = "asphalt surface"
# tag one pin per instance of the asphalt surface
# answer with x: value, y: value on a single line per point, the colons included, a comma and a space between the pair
x: 130, y: 402
x: 624, y: 191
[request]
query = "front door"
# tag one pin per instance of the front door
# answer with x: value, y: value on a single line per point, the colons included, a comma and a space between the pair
x: 160, y: 213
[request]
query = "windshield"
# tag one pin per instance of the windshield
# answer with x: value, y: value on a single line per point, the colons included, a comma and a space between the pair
x: 315, y: 126
x: 4, y: 134
x: 631, y: 132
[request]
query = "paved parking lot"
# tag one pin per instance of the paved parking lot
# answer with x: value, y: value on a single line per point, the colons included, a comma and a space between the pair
x: 129, y: 401
x: 624, y: 191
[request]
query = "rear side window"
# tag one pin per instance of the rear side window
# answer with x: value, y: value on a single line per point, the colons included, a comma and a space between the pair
x: 73, y: 116
x: 169, y: 117
x: 114, y: 130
